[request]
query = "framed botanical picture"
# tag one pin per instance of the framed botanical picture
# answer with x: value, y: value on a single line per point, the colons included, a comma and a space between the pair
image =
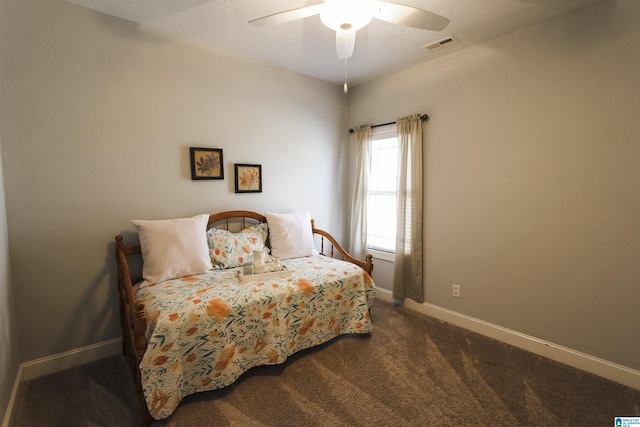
x: 206, y: 163
x: 248, y: 178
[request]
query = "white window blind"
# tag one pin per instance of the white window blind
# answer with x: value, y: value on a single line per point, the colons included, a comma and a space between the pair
x: 383, y: 180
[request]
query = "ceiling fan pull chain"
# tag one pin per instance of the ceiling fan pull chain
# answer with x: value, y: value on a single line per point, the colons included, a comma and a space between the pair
x: 345, y: 88
x: 346, y: 47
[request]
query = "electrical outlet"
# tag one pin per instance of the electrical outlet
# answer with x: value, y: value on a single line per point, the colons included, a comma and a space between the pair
x: 455, y: 291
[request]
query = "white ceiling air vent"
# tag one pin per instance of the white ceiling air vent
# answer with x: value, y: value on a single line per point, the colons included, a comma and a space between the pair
x: 440, y: 43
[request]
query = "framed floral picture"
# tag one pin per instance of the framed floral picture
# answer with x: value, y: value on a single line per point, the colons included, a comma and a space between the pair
x: 248, y: 178
x: 206, y: 163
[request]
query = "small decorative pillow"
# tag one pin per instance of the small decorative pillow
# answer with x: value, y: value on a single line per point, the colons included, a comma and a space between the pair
x: 291, y: 235
x: 229, y: 250
x: 173, y: 248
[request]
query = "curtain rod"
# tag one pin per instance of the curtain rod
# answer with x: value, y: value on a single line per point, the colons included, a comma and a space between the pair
x: 423, y: 117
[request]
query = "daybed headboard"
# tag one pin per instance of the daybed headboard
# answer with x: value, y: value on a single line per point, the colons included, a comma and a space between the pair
x: 235, y: 220
x: 238, y: 220
x: 326, y: 244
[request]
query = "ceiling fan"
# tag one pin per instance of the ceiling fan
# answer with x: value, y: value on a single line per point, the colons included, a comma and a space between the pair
x: 345, y: 17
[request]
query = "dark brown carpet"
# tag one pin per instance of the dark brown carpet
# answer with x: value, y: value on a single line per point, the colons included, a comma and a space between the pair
x: 411, y: 371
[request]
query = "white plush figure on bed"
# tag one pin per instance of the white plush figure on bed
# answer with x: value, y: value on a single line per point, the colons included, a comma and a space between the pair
x: 263, y: 263
x: 258, y: 261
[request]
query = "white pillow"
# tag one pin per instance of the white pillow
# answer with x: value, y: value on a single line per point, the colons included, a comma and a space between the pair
x: 173, y: 248
x: 290, y: 235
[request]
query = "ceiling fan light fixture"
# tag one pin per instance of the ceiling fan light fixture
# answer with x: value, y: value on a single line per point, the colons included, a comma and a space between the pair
x: 347, y: 15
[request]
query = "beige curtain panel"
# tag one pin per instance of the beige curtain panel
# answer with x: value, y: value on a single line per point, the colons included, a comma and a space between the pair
x: 408, y: 274
x: 358, y: 237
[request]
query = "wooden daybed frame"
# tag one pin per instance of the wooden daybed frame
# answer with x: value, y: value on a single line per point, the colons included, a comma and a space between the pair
x: 132, y: 313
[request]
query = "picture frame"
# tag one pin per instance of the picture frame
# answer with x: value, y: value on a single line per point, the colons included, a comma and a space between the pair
x: 248, y: 178
x: 206, y: 163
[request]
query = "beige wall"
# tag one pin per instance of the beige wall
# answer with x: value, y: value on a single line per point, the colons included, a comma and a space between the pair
x: 532, y: 177
x: 97, y: 117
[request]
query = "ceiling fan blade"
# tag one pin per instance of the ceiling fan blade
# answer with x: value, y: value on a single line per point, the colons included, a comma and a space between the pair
x: 345, y: 42
x: 409, y: 16
x: 287, y: 16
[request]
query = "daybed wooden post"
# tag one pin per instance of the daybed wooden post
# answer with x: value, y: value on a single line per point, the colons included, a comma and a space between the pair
x: 133, y: 323
x: 366, y: 265
x: 123, y: 322
x: 139, y: 330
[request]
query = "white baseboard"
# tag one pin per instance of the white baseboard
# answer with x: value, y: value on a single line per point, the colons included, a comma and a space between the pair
x: 69, y: 359
x: 384, y: 295
x: 603, y: 368
x: 59, y: 362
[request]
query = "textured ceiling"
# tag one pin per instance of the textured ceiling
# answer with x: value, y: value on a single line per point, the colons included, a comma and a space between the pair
x: 308, y: 47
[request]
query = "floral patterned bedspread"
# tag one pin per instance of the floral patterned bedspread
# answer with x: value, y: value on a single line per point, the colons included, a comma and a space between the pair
x: 204, y: 331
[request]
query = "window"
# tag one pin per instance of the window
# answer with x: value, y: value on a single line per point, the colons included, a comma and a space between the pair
x: 383, y: 178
